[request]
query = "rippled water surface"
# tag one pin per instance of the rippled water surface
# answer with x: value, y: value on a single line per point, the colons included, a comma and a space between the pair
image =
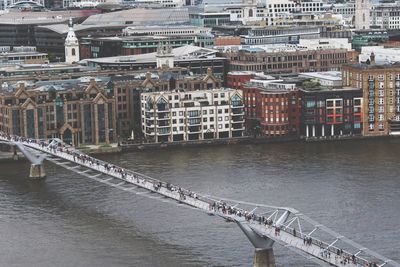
x: 68, y: 220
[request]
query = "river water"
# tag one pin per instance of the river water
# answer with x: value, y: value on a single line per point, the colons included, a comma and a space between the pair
x: 67, y: 220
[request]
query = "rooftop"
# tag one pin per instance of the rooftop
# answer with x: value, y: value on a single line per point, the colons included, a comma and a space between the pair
x: 140, y: 17
x: 327, y: 75
x: 48, y: 17
x: 188, y: 52
x: 271, y: 48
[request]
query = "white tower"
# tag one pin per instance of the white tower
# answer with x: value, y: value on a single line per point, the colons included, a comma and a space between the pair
x: 165, y: 57
x: 362, y: 16
x: 71, y: 45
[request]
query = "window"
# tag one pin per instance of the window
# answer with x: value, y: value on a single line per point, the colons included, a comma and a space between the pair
x: 180, y: 113
x: 226, y: 118
x: 204, y: 119
x: 204, y: 112
x: 219, y: 118
x: 219, y: 126
x: 211, y: 111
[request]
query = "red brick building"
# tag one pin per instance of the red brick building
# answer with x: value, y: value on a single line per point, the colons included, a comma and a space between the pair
x: 272, y: 109
x: 236, y: 79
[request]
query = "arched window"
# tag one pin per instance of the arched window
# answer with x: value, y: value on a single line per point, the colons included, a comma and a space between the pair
x: 73, y: 51
x: 250, y: 12
x: 363, y: 17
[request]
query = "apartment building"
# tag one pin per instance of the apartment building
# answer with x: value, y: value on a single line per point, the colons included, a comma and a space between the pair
x: 78, y: 115
x: 331, y: 111
x: 380, y: 85
x: 192, y: 115
x: 272, y: 107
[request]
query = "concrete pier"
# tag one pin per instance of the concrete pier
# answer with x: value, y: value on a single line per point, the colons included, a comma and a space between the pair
x: 264, y: 258
x: 37, y: 171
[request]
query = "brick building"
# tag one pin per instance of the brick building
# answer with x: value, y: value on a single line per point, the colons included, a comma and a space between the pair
x: 271, y: 108
x: 79, y: 115
x: 380, y: 85
x: 236, y: 79
x: 287, y: 59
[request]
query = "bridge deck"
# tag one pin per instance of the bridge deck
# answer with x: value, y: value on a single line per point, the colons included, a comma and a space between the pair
x: 283, y: 234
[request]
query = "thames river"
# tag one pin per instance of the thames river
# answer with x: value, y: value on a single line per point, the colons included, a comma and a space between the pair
x: 352, y: 187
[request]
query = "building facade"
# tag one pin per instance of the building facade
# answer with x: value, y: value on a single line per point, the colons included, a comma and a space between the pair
x: 331, y: 112
x: 81, y: 116
x: 287, y: 59
x: 194, y: 115
x: 21, y: 55
x: 127, y: 90
x: 271, y: 108
x: 380, y: 85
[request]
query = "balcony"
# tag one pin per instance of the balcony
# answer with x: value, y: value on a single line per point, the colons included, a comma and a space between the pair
x: 194, y: 114
x: 194, y: 129
x: 163, y: 124
x: 150, y: 132
x: 193, y: 122
x: 237, y: 112
x: 163, y: 117
x: 163, y: 131
x: 241, y: 128
x: 238, y: 119
x: 149, y: 115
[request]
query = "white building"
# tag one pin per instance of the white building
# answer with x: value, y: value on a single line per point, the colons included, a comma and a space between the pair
x: 265, y: 12
x: 386, y: 15
x: 162, y: 3
x: 326, y: 78
x: 382, y: 55
x: 192, y: 115
x: 168, y: 30
x: 325, y: 43
x: 71, y: 45
x: 362, y: 14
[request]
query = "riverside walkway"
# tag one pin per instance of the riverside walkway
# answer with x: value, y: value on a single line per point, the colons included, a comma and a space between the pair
x: 262, y: 224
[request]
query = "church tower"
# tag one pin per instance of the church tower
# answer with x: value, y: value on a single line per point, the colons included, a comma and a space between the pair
x: 71, y: 45
x: 362, y: 16
x: 165, y: 57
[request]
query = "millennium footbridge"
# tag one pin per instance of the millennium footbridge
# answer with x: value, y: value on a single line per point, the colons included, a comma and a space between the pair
x: 263, y: 225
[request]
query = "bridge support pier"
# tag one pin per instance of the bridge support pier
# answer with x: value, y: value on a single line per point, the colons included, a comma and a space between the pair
x: 264, y: 257
x: 37, y: 171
